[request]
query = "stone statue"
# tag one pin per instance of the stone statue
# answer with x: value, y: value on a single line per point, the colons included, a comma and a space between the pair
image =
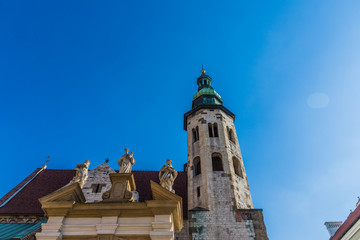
x: 126, y: 162
x: 81, y: 173
x: 167, y: 176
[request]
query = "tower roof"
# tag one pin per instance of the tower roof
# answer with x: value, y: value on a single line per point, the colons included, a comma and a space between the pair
x: 206, y: 98
x: 206, y: 95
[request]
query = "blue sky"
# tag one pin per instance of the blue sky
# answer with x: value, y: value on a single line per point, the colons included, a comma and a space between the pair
x: 85, y: 79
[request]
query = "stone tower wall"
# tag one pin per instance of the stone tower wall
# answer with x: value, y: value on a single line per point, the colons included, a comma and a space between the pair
x: 238, y: 188
x: 215, y: 213
x: 219, y: 222
x: 224, y: 221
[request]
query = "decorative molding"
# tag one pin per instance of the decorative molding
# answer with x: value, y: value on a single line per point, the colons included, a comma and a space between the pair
x: 22, y: 219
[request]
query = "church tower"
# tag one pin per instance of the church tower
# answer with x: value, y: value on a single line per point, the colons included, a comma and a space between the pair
x: 218, y: 190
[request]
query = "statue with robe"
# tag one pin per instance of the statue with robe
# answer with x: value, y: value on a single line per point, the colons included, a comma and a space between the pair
x: 81, y: 173
x: 167, y: 176
x: 126, y: 162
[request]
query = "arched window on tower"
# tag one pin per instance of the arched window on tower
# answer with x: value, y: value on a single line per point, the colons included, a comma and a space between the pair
x: 197, y: 166
x: 217, y: 162
x: 216, y: 134
x: 231, y: 135
x: 210, y: 130
x: 237, y: 167
x: 195, y: 134
x: 213, y: 130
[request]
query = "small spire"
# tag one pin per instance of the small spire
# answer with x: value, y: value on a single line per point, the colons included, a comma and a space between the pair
x: 44, y: 165
x: 202, y: 69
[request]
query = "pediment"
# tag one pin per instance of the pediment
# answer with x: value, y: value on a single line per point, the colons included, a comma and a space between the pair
x: 160, y: 193
x: 163, y: 195
x: 69, y: 193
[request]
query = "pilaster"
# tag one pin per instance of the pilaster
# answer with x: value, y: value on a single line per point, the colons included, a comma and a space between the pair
x: 162, y: 228
x: 52, y: 229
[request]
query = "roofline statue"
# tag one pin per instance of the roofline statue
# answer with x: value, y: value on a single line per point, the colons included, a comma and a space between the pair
x: 167, y: 176
x: 126, y: 162
x: 81, y: 173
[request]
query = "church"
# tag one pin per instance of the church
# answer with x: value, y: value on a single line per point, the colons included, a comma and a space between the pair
x: 210, y: 199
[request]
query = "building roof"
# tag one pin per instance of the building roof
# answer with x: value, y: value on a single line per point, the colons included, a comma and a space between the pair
x: 349, y: 222
x: 142, y: 181
x: 17, y: 230
x: 25, y: 202
x: 7, y: 196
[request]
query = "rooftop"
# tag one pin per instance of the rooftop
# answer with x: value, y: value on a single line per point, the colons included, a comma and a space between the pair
x: 49, y: 180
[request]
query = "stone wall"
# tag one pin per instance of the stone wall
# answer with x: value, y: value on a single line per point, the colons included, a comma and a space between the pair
x: 256, y: 216
x: 184, y: 233
x: 241, y: 224
x: 97, y: 176
x: 211, y: 225
x: 219, y: 221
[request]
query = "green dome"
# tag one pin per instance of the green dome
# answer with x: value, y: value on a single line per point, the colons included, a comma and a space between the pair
x: 206, y: 95
x: 206, y: 91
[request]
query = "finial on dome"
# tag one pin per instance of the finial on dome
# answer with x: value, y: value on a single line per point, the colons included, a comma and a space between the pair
x: 202, y: 69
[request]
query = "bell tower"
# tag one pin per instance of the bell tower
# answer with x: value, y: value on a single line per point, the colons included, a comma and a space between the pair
x: 218, y: 188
